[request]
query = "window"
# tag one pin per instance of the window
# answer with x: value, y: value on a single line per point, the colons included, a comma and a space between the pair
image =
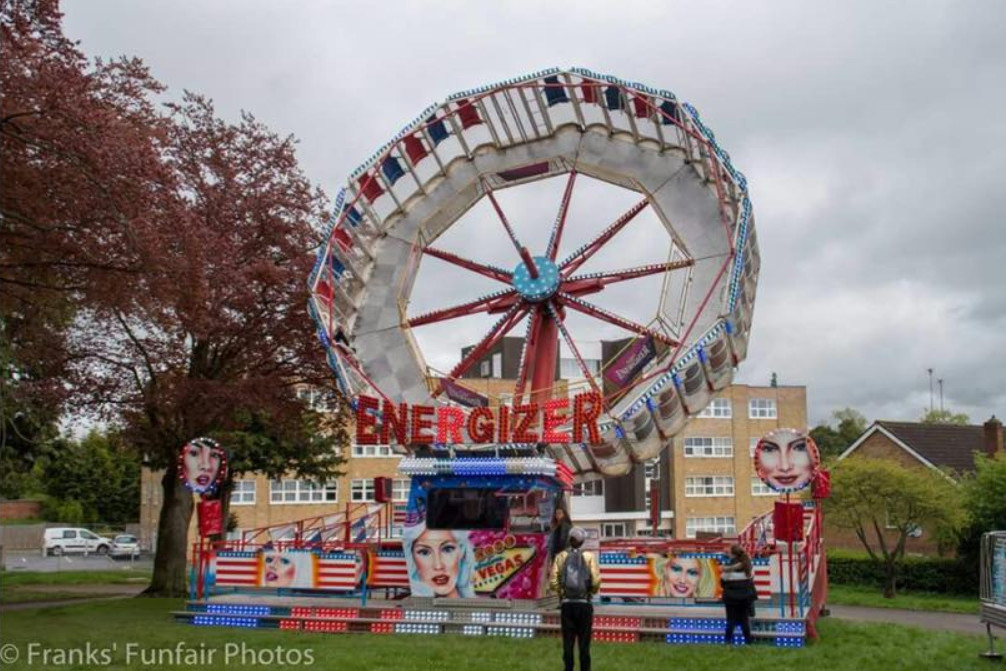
x: 710, y: 485
x: 651, y: 473
x: 467, y: 508
x: 753, y: 444
x: 373, y: 451
x: 700, y: 446
x: 498, y: 364
x: 718, y: 407
x: 400, y: 490
x: 69, y: 534
x: 243, y: 493
x: 759, y: 488
x: 762, y: 408
x: 317, y: 399
x: 613, y: 530
x: 592, y: 488
x: 362, y: 490
x: 720, y: 525
x: 486, y: 369
x: 302, y: 491
x: 569, y: 368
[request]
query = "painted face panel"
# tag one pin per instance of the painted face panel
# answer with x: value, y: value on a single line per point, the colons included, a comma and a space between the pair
x: 203, y: 465
x: 682, y: 576
x: 437, y: 555
x: 786, y: 460
x: 278, y: 570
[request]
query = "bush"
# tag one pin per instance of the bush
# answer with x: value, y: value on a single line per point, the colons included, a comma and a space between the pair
x: 916, y: 574
x: 67, y: 512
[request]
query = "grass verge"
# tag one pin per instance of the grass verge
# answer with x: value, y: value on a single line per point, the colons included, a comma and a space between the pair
x: 849, y: 595
x: 136, y: 626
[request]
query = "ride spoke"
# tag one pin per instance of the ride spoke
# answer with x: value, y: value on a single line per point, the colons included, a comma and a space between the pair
x: 491, y: 272
x: 560, y: 219
x: 580, y: 256
x: 495, y: 334
x: 589, y: 283
x: 503, y: 219
x: 494, y: 302
x: 572, y: 346
x: 592, y: 310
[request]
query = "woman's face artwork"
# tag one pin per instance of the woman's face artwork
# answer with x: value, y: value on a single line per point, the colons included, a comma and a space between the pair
x: 437, y: 555
x: 787, y: 460
x: 201, y: 465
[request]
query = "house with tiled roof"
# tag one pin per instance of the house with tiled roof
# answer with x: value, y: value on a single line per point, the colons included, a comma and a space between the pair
x: 947, y: 448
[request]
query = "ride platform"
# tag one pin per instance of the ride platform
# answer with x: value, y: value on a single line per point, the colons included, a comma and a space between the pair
x: 625, y: 622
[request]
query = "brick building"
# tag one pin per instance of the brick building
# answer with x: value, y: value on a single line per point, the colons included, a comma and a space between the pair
x: 947, y: 448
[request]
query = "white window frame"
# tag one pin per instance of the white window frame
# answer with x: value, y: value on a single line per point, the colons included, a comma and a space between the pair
x: 721, y: 524
x: 361, y: 490
x: 763, y: 408
x: 400, y: 488
x: 486, y: 368
x: 609, y: 530
x: 709, y: 447
x: 759, y: 488
x: 304, y: 492
x: 718, y: 408
x: 753, y: 444
x: 373, y: 452
x: 240, y: 493
x: 591, y: 488
x: 707, y: 486
x: 651, y: 472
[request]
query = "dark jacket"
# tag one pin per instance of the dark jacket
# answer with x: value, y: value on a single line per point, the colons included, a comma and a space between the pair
x: 739, y: 591
x: 559, y: 540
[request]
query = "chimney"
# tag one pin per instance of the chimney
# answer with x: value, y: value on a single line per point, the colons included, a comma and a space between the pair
x: 994, y: 437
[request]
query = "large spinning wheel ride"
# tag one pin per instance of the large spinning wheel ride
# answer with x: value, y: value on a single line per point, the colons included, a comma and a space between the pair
x: 540, y: 126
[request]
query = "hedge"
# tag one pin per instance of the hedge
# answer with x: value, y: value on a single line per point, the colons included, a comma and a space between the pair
x: 916, y: 574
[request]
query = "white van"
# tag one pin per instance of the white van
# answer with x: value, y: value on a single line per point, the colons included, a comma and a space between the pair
x: 59, y: 540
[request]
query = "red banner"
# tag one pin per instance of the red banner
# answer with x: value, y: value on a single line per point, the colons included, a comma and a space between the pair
x: 211, y: 517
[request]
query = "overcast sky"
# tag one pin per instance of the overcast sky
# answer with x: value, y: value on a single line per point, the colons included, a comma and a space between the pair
x: 867, y: 130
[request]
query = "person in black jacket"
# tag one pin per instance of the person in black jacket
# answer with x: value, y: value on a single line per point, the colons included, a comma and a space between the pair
x: 738, y: 593
x: 559, y: 539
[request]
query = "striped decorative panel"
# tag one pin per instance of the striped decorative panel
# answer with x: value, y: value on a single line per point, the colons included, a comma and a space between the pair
x: 625, y: 575
x: 763, y: 579
x: 237, y: 569
x: 387, y: 569
x: 339, y: 571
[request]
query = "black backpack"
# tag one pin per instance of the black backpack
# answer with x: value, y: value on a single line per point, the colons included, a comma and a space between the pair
x: 575, y: 577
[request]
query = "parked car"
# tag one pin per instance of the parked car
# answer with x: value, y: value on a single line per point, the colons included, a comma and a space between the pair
x: 60, y: 540
x: 124, y: 545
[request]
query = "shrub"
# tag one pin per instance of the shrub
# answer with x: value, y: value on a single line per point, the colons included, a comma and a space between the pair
x: 916, y: 574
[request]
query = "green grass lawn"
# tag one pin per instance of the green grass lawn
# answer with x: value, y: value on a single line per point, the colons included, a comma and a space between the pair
x: 851, y: 595
x: 844, y: 645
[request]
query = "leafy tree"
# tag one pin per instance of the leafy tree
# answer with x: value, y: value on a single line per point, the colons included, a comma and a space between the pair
x: 944, y: 417
x: 100, y: 474
x: 156, y: 265
x: 834, y: 441
x: 884, y: 503
x: 984, y: 497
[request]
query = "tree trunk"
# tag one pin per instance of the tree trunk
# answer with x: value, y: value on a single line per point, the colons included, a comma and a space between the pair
x: 170, y: 566
x: 890, y: 578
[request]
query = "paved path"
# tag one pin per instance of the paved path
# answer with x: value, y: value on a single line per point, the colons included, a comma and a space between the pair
x: 99, y: 592
x: 955, y: 622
